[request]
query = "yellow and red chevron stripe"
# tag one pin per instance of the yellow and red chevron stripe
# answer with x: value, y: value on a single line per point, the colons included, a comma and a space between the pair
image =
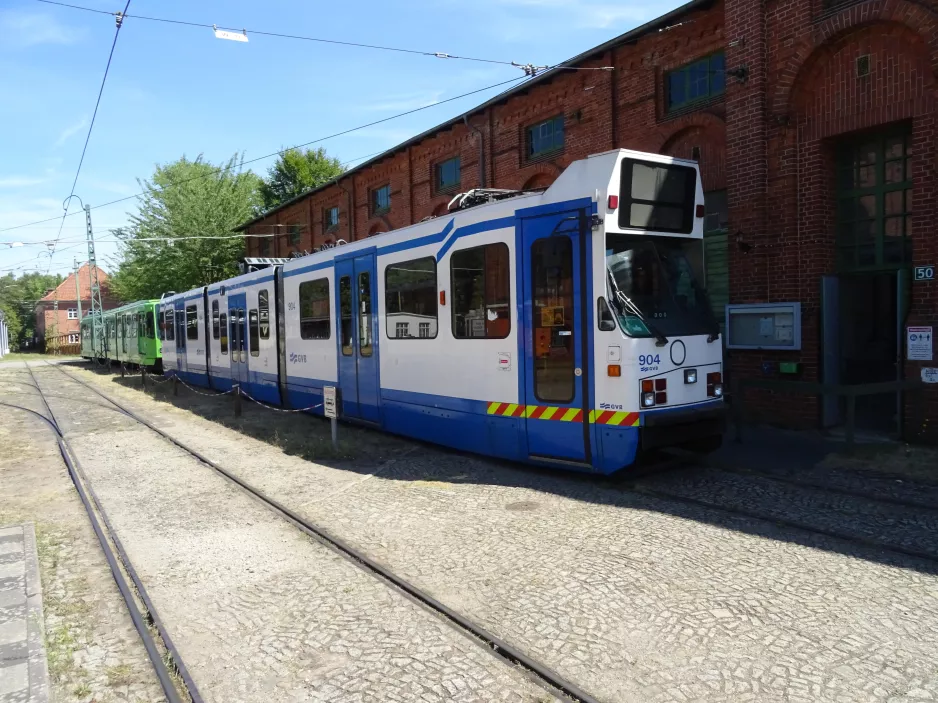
x: 536, y: 412
x: 611, y: 417
x: 547, y: 412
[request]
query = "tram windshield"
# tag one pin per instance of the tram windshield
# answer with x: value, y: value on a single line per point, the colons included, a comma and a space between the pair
x: 655, y: 286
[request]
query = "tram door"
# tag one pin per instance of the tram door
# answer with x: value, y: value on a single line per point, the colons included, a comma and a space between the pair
x: 356, y: 295
x: 237, y: 342
x: 180, y: 322
x: 555, y: 336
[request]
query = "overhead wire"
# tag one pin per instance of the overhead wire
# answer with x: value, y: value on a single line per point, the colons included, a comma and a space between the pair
x: 45, y: 243
x: 530, y: 71
x: 94, y: 115
x: 280, y: 152
x: 338, y: 42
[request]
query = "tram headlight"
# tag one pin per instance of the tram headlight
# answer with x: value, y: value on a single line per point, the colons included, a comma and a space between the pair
x: 648, y: 399
x: 690, y: 375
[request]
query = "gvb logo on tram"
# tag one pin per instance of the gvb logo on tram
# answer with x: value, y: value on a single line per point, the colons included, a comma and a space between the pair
x: 568, y: 327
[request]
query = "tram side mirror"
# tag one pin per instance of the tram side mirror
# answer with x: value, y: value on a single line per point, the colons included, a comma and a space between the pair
x: 607, y: 323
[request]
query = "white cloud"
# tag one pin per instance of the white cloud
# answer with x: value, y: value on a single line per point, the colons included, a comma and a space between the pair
x: 405, y: 101
x: 19, y: 181
x: 24, y: 29
x: 519, y: 18
x: 114, y: 187
x: 71, y: 131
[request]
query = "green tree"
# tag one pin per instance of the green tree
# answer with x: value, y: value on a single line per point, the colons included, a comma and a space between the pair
x: 18, y: 298
x: 159, y: 251
x: 297, y: 171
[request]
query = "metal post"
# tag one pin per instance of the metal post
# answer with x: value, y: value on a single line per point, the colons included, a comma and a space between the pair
x: 77, y: 293
x: 851, y: 419
x: 96, y: 306
x: 237, y: 399
x: 335, y: 433
x: 175, y: 385
x: 123, y: 369
x: 143, y: 377
x: 738, y: 408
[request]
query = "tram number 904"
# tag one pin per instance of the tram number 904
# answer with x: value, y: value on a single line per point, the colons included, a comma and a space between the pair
x: 649, y: 359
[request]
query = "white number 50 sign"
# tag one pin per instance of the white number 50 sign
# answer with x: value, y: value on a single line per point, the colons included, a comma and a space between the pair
x: 925, y: 273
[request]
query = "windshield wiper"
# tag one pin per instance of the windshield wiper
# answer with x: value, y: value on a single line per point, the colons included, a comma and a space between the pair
x: 624, y: 300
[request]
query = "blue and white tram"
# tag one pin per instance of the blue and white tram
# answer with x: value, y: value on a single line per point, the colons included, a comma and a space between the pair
x: 565, y: 328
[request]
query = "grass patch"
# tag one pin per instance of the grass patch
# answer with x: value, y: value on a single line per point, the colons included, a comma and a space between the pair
x: 82, y: 690
x: 120, y: 675
x: 19, y: 356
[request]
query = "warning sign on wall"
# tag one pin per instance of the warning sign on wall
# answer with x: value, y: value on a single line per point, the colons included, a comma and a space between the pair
x: 919, y: 343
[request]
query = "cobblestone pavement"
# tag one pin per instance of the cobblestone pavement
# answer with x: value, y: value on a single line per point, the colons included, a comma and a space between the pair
x: 258, y: 611
x: 94, y: 652
x: 23, y: 674
x: 635, y: 599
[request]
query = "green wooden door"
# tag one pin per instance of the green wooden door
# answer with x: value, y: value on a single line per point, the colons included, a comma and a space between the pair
x: 874, y: 202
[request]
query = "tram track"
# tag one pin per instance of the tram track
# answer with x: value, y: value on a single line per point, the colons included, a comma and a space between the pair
x: 791, y: 479
x: 538, y: 671
x: 830, y: 488
x: 640, y: 486
x: 118, y: 563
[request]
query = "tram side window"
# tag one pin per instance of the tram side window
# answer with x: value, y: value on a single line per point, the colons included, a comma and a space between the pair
x: 168, y: 326
x: 345, y: 313
x: 253, y: 332
x: 314, y: 310
x: 481, y: 304
x: 411, y: 297
x: 215, y: 322
x: 223, y: 329
x: 263, y: 313
x: 192, y: 322
x: 148, y: 330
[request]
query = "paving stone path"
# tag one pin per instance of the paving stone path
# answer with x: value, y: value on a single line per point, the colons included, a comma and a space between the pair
x: 23, y: 674
x: 258, y: 611
x: 636, y: 599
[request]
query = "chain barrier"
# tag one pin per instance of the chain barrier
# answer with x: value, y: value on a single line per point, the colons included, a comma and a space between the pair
x: 208, y: 395
x: 152, y: 377
x: 276, y: 409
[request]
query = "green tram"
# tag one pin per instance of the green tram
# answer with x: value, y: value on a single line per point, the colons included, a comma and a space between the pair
x: 126, y: 334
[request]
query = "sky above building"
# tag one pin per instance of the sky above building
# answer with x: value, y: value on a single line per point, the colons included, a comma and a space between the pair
x: 176, y: 90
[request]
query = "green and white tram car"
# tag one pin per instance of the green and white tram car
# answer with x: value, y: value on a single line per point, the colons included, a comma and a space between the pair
x: 128, y: 334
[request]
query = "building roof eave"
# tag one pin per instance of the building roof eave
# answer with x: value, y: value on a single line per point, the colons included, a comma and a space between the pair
x: 630, y: 36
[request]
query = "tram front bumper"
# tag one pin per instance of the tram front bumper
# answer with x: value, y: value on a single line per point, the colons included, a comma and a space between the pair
x: 676, y: 427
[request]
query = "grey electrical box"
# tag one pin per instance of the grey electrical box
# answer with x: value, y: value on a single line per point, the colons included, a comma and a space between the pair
x: 764, y: 326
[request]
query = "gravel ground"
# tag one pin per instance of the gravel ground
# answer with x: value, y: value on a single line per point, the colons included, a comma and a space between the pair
x: 635, y: 599
x: 258, y: 611
x: 94, y: 652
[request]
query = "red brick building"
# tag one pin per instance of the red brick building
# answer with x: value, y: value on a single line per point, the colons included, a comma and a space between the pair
x: 814, y: 124
x: 66, y: 326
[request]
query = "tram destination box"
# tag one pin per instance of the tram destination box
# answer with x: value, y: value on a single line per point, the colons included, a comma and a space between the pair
x: 764, y: 326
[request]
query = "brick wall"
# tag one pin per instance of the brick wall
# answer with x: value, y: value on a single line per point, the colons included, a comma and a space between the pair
x: 602, y: 109
x: 769, y: 141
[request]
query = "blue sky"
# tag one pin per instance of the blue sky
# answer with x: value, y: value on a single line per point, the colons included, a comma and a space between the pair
x: 175, y: 90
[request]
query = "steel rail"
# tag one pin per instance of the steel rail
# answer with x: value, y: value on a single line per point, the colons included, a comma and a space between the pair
x: 821, y: 486
x: 162, y: 673
x: 493, y: 643
x: 724, y: 467
x: 77, y: 472
x: 633, y: 487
